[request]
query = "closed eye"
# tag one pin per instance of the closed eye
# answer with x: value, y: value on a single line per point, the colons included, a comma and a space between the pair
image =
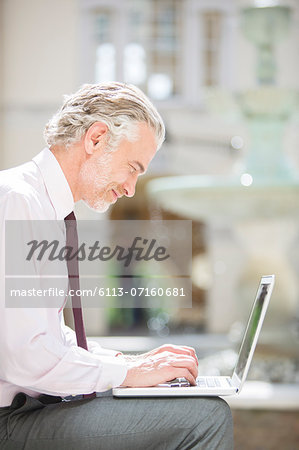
x: 140, y: 166
x: 132, y: 169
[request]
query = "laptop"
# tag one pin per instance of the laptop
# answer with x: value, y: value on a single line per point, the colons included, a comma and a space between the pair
x: 216, y: 385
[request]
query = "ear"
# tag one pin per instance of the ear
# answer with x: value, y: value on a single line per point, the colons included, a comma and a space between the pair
x: 96, y: 134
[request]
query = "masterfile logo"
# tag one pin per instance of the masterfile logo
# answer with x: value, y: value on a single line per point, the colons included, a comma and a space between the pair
x: 121, y: 263
x: 145, y: 250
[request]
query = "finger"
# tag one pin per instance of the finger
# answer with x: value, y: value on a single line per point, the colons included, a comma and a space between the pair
x: 181, y: 350
x: 185, y: 373
x: 186, y: 363
x: 178, y: 349
x: 172, y: 349
x: 178, y: 372
x: 191, y: 349
x: 173, y: 357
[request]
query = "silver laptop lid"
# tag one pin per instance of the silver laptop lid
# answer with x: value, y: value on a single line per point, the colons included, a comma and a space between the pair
x: 253, y: 329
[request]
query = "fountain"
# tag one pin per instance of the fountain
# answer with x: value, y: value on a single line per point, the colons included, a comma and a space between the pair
x: 268, y: 107
x: 251, y: 217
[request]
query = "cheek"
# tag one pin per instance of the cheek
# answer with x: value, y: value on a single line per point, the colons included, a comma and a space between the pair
x: 87, y: 176
x: 121, y: 175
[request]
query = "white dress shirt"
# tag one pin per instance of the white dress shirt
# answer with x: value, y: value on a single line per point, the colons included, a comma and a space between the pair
x: 38, y: 352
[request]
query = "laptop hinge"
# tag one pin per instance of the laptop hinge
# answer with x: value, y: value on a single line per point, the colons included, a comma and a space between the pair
x: 236, y: 381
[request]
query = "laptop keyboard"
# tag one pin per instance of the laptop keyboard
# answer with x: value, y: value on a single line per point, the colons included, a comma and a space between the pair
x: 208, y: 382
x: 203, y: 382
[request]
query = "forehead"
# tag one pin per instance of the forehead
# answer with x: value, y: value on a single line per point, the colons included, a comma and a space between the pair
x: 146, y: 142
x: 143, y: 148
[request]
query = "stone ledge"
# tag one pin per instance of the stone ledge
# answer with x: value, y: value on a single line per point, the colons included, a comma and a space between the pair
x: 262, y: 395
x: 203, y: 343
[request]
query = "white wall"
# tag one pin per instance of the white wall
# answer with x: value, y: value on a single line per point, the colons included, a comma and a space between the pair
x: 39, y: 66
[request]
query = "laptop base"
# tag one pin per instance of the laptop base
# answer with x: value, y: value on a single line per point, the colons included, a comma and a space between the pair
x: 165, y: 390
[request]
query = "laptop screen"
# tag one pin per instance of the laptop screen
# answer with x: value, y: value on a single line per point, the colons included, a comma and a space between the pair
x: 251, y: 331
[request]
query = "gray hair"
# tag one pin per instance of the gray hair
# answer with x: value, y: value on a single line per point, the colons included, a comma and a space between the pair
x: 120, y: 106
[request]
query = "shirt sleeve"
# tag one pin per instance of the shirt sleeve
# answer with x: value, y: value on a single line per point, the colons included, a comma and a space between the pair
x: 93, y: 346
x: 36, y: 353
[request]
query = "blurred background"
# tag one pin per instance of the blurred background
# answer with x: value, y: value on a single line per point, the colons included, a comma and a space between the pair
x: 224, y: 76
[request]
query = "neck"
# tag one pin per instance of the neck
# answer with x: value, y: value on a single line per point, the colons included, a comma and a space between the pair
x: 70, y: 160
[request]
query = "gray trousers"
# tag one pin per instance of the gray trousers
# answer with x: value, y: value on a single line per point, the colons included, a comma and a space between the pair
x: 110, y: 423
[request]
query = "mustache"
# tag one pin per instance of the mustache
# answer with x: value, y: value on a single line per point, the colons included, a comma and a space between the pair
x: 117, y: 189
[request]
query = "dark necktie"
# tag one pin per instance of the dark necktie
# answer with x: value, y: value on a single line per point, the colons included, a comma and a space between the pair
x: 74, y: 283
x: 73, y: 275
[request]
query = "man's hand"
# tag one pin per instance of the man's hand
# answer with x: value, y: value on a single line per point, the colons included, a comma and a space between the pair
x: 161, y: 365
x: 178, y: 349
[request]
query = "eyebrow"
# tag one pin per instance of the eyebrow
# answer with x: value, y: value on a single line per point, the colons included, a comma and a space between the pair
x: 141, y: 167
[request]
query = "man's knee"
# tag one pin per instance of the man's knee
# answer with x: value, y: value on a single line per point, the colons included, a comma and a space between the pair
x: 220, y: 434
x: 210, y: 425
x: 223, y: 412
x: 209, y: 406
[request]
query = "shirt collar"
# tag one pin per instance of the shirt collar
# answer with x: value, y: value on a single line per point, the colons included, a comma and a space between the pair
x: 56, y: 184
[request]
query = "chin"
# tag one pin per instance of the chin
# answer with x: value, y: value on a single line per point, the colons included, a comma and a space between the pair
x: 99, y: 207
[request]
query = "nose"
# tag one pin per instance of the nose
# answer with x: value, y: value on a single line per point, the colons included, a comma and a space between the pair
x: 129, y: 187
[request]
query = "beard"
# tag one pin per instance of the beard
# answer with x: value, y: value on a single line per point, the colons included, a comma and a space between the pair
x: 99, y: 206
x: 95, y: 174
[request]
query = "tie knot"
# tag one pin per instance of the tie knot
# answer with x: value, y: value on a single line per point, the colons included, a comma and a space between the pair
x: 71, y: 216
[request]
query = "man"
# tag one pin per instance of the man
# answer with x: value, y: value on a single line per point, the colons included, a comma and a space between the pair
x: 99, y: 142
